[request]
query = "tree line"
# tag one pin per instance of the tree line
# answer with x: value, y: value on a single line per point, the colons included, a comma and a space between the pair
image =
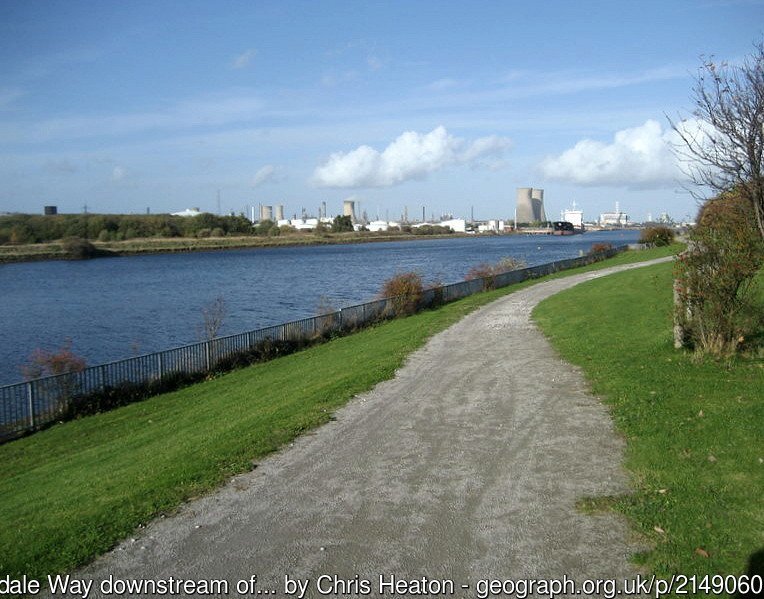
x: 34, y: 228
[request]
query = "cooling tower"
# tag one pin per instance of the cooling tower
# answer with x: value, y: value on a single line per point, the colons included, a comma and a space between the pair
x: 537, y: 196
x: 348, y: 209
x: 266, y: 213
x: 524, y: 210
x: 530, y: 205
x: 279, y: 212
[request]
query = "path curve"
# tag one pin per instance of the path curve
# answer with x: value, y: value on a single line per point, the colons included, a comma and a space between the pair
x: 466, y: 466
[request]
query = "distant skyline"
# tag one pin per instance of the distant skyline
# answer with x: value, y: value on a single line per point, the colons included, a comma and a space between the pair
x: 124, y: 106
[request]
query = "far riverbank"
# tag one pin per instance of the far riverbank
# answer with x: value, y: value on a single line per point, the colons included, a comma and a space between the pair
x: 169, y: 245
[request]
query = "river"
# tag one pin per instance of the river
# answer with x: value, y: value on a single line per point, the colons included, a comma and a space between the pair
x: 114, y: 308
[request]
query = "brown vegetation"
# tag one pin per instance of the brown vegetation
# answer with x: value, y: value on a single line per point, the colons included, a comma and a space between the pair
x: 404, y: 291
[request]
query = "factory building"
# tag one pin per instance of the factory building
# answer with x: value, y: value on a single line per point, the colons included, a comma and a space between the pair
x: 530, y: 205
x: 279, y: 212
x: 266, y: 212
x: 614, y: 219
x: 187, y: 212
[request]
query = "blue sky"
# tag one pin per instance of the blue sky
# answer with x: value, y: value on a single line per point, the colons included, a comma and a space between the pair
x: 125, y: 106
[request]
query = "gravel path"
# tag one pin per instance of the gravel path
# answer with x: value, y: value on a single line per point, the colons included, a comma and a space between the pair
x: 466, y: 466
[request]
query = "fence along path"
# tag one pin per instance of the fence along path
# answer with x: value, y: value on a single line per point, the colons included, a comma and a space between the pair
x: 31, y: 405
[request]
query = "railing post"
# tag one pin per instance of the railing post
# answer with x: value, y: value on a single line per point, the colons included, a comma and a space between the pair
x: 30, y: 399
x: 207, y: 355
x: 160, y: 366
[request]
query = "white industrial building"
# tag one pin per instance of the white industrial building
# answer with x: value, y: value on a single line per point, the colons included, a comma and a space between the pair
x: 458, y: 225
x: 614, y: 219
x: 188, y: 212
x: 376, y: 226
x: 492, y: 226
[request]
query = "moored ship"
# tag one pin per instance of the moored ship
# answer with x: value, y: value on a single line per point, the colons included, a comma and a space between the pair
x: 563, y: 227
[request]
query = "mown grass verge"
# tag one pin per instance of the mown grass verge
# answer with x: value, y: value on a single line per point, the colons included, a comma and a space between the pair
x: 694, y: 430
x: 71, y: 492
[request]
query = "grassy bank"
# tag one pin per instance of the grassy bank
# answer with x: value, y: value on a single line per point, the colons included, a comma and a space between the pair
x: 695, y: 430
x: 72, y: 491
x: 163, y: 245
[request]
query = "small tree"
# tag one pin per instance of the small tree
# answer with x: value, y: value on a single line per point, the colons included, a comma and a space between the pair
x: 713, y: 276
x: 342, y: 223
x: 725, y: 152
x: 264, y: 227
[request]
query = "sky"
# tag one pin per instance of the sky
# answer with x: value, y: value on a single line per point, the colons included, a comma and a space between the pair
x: 124, y: 107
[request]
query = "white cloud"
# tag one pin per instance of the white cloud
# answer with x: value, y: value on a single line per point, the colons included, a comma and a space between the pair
x: 411, y: 156
x: 638, y: 157
x: 242, y: 60
x: 264, y: 175
x: 118, y: 173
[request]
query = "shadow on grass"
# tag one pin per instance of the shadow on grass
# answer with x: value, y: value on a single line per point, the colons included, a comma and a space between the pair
x: 755, y: 568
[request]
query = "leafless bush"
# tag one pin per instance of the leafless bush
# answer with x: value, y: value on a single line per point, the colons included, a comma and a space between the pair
x: 489, y: 272
x: 404, y: 291
x: 213, y: 315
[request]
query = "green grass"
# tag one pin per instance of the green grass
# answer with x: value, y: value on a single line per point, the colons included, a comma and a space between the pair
x: 694, y: 429
x: 71, y: 492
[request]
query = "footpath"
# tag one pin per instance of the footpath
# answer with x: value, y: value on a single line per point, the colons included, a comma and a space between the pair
x: 465, y: 467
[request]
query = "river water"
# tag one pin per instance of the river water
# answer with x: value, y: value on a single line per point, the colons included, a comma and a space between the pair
x: 114, y: 308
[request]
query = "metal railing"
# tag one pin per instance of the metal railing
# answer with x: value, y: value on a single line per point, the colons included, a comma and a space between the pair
x: 31, y: 405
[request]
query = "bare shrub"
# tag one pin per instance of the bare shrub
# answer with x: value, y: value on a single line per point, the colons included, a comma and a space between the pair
x: 43, y: 362
x: 489, y: 272
x: 326, y: 316
x: 508, y: 263
x: 482, y: 271
x: 77, y: 248
x: 62, y: 363
x: 657, y: 236
x: 404, y: 290
x: 213, y: 316
x: 599, y: 248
